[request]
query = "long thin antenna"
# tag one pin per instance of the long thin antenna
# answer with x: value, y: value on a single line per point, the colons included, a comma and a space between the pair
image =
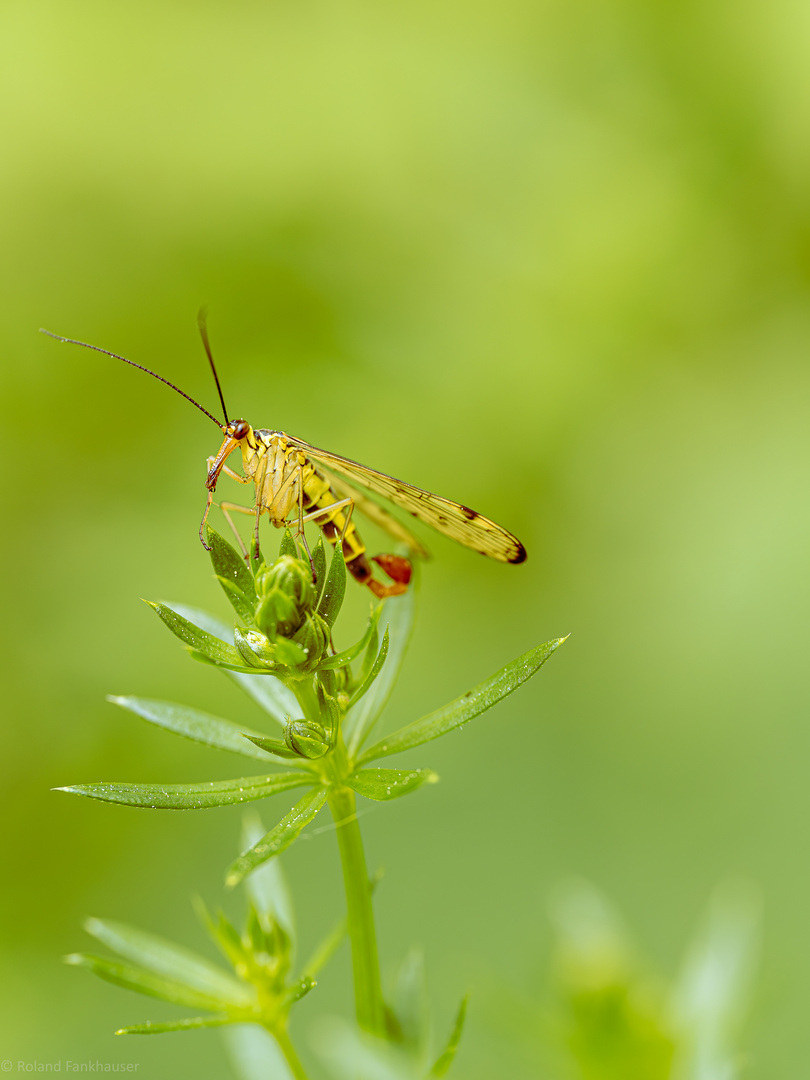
x: 115, y: 356
x: 201, y: 317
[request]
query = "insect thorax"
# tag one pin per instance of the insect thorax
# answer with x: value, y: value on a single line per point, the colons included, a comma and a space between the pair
x: 279, y: 473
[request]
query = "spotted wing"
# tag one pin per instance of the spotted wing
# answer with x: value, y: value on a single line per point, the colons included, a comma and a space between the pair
x: 454, y: 520
x: 379, y: 515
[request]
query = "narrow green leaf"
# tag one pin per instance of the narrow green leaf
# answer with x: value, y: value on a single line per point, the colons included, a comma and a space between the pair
x: 254, y: 934
x: 224, y: 935
x: 174, y: 961
x: 198, y: 726
x: 399, y: 612
x: 255, y: 1054
x: 410, y: 1002
x: 319, y: 565
x: 300, y: 989
x: 192, y: 796
x: 371, y: 655
x: 267, y: 886
x: 333, y: 940
x: 268, y: 693
x: 225, y: 665
x: 146, y: 982
x: 279, y: 748
x: 464, y: 708
x: 373, y: 672
x: 151, y: 1028
x: 327, y: 695
x: 384, y: 784
x: 279, y: 838
x: 239, y: 602
x: 255, y: 556
x: 327, y: 948
x: 346, y: 657
x: 287, y: 546
x: 204, y: 620
x: 716, y: 984
x: 233, y: 575
x: 212, y: 648
x: 334, y: 589
x: 445, y: 1059
x: 349, y: 1053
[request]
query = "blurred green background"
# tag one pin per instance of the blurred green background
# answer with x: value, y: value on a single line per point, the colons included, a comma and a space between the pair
x: 551, y: 260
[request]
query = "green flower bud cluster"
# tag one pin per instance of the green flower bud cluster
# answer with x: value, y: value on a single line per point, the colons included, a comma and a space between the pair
x: 285, y: 613
x: 290, y: 632
x: 262, y: 992
x: 261, y: 954
x: 279, y: 605
x: 285, y: 595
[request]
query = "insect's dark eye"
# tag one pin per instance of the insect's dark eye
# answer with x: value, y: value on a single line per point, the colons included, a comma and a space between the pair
x: 239, y: 429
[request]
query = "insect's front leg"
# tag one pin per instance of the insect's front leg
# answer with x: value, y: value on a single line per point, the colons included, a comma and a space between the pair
x: 259, y: 479
x: 204, y: 519
x: 242, y: 480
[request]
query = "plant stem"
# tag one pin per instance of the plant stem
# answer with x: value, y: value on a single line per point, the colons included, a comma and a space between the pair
x: 282, y: 1037
x: 307, y: 698
x: 368, y: 997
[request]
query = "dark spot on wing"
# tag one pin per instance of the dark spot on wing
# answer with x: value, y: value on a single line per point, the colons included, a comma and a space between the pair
x: 520, y: 555
x: 469, y: 514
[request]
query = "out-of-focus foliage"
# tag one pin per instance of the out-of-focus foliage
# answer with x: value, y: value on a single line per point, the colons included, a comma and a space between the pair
x: 550, y: 260
x: 620, y: 1022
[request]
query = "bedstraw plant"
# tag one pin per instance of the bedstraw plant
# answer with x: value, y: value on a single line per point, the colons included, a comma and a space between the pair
x: 324, y: 704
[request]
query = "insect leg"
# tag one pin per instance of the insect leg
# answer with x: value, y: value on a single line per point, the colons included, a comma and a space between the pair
x: 313, y: 515
x: 383, y: 592
x: 259, y: 505
x: 302, y: 536
x: 360, y: 570
x: 242, y: 480
x: 356, y: 562
x: 345, y: 528
x: 397, y: 567
x: 237, y: 508
x: 225, y: 507
x: 351, y: 545
x: 204, y: 519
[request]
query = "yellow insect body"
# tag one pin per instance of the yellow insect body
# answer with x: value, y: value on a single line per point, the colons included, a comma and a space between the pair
x: 286, y: 482
x: 277, y: 474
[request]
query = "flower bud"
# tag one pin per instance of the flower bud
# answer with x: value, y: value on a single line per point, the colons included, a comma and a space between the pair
x: 286, y: 595
x: 343, y: 687
x: 306, y: 738
x: 259, y: 652
x: 313, y: 637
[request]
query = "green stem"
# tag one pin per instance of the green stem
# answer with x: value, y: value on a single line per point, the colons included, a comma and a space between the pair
x: 282, y: 1037
x: 368, y: 998
x: 307, y: 698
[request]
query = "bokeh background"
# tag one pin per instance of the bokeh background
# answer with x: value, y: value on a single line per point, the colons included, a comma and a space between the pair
x: 552, y: 260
